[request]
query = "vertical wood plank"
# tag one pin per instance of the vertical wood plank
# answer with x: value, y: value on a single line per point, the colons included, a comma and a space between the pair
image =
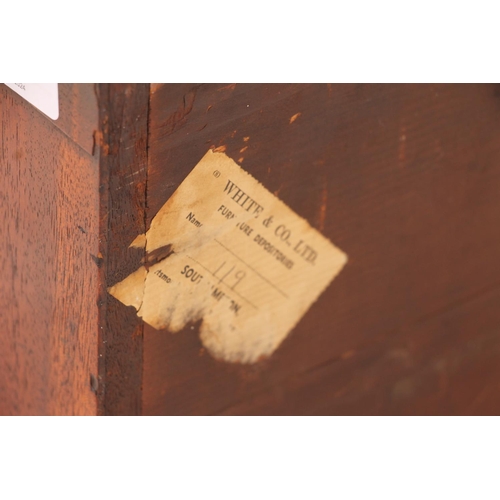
x: 49, y: 232
x: 123, y: 112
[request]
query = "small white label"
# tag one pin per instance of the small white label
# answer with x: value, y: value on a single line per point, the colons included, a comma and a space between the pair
x: 44, y: 96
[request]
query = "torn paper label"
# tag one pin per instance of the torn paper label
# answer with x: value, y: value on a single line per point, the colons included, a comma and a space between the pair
x: 226, y: 251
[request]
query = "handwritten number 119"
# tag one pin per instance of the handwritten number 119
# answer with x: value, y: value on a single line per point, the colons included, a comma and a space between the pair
x: 233, y: 278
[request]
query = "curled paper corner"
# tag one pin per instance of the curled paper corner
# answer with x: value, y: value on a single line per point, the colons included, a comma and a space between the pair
x: 139, y: 242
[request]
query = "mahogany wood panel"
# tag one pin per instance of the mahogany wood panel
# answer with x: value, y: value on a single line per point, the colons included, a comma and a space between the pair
x: 406, y: 180
x: 49, y: 202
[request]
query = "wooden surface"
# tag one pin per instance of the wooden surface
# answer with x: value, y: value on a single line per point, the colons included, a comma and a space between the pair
x: 78, y: 115
x: 123, y: 114
x: 49, y: 203
x: 404, y: 179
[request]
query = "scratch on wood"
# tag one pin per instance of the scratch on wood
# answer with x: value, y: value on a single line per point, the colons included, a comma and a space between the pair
x: 402, y: 146
x: 348, y: 354
x: 97, y: 259
x: 231, y: 86
x: 322, y: 209
x: 178, y: 118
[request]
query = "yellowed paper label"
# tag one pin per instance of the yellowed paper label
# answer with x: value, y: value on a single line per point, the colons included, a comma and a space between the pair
x: 225, y: 250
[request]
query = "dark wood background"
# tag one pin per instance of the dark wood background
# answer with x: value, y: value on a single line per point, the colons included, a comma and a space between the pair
x: 404, y: 178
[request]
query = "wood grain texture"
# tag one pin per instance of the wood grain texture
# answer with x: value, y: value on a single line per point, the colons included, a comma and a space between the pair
x: 123, y: 117
x: 49, y: 204
x: 78, y: 113
x: 405, y: 179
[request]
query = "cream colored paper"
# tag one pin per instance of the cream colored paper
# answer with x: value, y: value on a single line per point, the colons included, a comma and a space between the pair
x: 225, y: 250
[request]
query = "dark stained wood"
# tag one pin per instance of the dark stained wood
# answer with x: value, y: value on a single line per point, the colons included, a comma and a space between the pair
x: 123, y: 117
x: 404, y: 179
x: 49, y: 203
